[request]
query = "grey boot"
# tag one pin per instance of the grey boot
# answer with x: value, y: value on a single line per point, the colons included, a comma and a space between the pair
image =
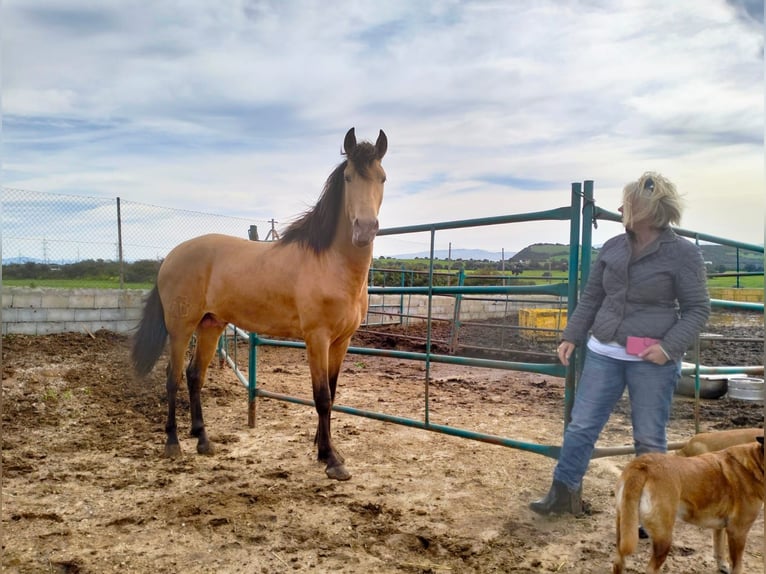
x: 559, y: 500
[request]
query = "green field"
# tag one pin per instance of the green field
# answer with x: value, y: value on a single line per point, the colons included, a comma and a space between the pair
x: 750, y: 282
x: 754, y: 282
x: 75, y: 283
x: 540, y: 263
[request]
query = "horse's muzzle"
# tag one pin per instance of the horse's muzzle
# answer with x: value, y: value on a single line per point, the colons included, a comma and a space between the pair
x: 364, y: 232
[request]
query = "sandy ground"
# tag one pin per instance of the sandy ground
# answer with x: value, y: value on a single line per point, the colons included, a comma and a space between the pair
x: 85, y: 489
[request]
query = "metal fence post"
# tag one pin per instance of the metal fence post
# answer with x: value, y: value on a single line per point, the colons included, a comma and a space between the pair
x: 574, y: 265
x: 119, y: 245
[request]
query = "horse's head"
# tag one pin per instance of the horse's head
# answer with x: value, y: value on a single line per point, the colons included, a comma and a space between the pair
x: 363, y: 180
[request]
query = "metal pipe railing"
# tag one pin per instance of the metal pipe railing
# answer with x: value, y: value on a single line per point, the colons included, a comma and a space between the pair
x: 569, y: 290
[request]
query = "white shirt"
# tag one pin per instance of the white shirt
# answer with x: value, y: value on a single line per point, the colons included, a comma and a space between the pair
x: 613, y: 350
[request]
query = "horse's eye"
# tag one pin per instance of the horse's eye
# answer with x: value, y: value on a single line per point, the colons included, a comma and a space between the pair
x: 347, y: 178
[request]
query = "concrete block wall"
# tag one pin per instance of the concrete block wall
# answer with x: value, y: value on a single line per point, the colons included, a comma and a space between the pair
x: 471, y: 309
x: 39, y: 311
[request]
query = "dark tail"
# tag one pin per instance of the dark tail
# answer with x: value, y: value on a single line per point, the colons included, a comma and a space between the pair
x: 149, y: 340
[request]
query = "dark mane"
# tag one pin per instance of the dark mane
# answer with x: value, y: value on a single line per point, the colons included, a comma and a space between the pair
x: 315, y: 229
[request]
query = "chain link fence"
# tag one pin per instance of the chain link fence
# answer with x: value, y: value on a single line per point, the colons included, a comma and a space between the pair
x: 59, y: 229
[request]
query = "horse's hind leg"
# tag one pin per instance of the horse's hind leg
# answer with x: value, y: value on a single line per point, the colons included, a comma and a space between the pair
x: 174, y: 370
x: 207, y: 339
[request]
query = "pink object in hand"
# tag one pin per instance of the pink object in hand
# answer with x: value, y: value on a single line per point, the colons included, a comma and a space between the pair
x: 635, y: 345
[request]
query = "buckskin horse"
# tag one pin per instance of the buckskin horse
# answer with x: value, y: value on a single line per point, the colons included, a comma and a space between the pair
x: 311, y: 284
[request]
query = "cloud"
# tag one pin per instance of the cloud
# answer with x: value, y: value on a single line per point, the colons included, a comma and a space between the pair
x: 490, y: 107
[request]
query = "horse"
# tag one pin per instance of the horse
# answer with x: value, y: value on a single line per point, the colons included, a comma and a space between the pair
x: 310, y: 284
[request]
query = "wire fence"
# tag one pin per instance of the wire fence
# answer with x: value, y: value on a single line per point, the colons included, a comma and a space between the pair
x: 59, y: 229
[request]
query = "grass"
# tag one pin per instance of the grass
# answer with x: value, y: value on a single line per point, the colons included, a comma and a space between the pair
x: 753, y: 282
x: 750, y: 282
x: 75, y: 283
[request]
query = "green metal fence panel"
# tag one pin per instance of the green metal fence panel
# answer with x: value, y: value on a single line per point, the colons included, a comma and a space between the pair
x: 579, y: 266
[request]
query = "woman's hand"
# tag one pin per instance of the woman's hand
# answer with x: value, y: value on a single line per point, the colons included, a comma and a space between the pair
x: 654, y: 354
x: 564, y: 351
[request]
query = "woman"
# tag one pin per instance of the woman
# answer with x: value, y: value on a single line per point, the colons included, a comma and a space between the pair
x: 648, y: 284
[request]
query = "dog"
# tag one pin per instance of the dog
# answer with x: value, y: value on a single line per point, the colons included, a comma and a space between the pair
x: 722, y: 490
x: 718, y: 440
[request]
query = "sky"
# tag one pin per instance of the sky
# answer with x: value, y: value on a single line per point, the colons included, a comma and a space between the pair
x: 239, y: 108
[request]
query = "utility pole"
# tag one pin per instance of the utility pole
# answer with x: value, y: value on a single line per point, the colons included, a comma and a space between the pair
x: 273, y: 234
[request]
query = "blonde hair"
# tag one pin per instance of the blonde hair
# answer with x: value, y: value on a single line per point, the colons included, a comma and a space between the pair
x: 652, y: 198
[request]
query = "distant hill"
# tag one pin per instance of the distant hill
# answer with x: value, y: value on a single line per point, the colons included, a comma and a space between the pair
x: 537, y: 254
x: 540, y: 252
x: 464, y: 254
x: 723, y: 256
x: 714, y: 255
x: 22, y: 260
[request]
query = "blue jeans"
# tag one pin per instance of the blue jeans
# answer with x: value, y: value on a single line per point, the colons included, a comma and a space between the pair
x: 601, y: 385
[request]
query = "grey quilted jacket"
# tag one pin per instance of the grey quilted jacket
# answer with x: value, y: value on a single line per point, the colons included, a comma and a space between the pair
x: 661, y: 294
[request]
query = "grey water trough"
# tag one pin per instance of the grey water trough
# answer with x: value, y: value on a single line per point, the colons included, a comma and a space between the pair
x: 745, y: 388
x: 711, y: 386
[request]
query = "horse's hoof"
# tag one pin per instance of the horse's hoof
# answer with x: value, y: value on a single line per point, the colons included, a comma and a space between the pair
x: 172, y: 451
x: 337, y: 472
x: 206, y: 448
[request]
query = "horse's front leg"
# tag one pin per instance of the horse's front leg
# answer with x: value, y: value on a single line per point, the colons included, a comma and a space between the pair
x: 323, y: 400
x: 333, y: 381
x: 336, y: 356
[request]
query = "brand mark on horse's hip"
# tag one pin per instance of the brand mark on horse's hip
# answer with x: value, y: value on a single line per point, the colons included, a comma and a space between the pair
x: 180, y: 307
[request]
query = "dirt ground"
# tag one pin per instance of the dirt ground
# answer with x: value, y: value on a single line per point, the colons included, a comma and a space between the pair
x: 85, y: 489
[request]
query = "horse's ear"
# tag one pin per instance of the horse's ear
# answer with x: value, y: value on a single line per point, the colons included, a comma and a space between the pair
x: 350, y: 142
x: 381, y: 145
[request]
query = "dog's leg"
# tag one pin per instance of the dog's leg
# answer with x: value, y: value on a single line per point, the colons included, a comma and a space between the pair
x: 660, y: 549
x: 737, y: 539
x: 718, y: 551
x: 659, y: 520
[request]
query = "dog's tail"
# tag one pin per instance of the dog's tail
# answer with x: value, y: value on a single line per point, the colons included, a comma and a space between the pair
x: 627, y: 500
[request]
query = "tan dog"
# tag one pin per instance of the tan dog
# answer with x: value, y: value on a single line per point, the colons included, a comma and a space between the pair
x: 722, y: 490
x: 718, y: 440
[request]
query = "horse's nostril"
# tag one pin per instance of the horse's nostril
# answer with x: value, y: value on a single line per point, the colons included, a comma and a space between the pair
x: 365, y: 231
x: 366, y: 224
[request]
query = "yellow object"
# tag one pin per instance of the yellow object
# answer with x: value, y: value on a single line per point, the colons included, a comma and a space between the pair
x: 751, y: 295
x: 532, y: 319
